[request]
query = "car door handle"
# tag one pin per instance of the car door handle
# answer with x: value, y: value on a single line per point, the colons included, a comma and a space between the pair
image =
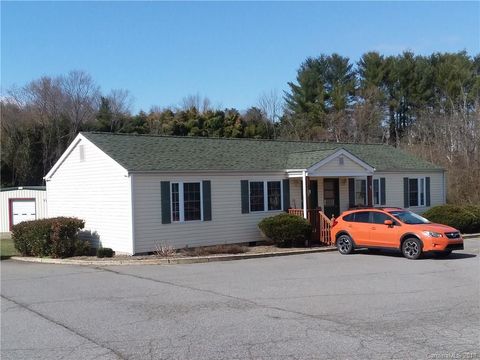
x: 374, y: 228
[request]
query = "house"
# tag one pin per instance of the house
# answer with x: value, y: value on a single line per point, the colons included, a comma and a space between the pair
x: 136, y: 191
x: 21, y: 204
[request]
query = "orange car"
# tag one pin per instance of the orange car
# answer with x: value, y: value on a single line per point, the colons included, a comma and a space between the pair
x: 393, y: 228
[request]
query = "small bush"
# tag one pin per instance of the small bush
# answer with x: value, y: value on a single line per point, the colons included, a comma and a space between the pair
x: 164, y: 250
x: 286, y: 230
x: 464, y: 218
x: 55, y: 237
x: 105, y: 252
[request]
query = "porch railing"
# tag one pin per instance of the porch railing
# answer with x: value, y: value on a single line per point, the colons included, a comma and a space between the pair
x: 321, y: 224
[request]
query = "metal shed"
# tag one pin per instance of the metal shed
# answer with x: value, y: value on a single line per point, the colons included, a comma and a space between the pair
x: 21, y: 203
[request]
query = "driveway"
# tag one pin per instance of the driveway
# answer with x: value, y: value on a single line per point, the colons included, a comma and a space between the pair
x: 315, y: 306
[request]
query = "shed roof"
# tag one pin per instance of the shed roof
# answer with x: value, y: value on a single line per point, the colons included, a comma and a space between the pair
x: 39, y: 188
x: 138, y: 153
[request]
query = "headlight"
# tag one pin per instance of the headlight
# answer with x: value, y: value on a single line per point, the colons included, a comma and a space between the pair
x: 432, y: 234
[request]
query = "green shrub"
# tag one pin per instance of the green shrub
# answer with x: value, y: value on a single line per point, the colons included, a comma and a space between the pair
x: 82, y: 248
x: 464, y: 218
x: 105, y: 252
x: 286, y: 229
x: 55, y: 237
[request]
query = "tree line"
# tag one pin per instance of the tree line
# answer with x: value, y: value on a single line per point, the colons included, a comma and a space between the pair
x: 427, y: 105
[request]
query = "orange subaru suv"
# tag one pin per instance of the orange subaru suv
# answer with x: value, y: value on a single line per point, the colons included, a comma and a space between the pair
x: 393, y: 228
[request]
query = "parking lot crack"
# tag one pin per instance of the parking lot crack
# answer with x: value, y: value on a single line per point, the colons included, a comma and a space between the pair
x: 74, y: 331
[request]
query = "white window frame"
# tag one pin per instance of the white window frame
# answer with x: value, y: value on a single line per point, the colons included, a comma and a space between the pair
x: 265, y: 195
x: 181, y: 205
x: 379, y: 191
x: 420, y: 189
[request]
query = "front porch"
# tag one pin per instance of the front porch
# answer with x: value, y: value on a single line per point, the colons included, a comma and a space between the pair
x: 326, y: 188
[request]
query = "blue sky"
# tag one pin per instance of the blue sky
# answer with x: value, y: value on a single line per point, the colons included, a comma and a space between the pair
x: 230, y: 52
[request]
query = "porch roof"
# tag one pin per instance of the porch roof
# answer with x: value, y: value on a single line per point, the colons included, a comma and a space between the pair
x: 329, y: 163
x: 306, y: 159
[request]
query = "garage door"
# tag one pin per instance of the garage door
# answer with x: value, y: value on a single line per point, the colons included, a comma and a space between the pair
x: 23, y: 210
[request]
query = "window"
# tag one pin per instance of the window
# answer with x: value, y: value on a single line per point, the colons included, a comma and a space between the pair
x: 360, y: 192
x: 257, y: 201
x: 379, y: 218
x: 362, y: 216
x: 186, y: 201
x: 349, y: 217
x: 192, y: 201
x: 409, y: 217
x: 265, y: 195
x: 376, y: 191
x: 416, y: 194
x: 274, y: 191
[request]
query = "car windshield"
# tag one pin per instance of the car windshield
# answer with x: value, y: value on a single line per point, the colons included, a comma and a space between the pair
x: 409, y: 217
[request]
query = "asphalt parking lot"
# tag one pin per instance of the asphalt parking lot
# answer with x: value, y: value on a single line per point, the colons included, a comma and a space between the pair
x: 315, y: 306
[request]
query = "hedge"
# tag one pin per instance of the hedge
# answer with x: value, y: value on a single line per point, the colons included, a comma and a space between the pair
x: 105, y: 252
x: 464, y: 218
x: 286, y: 229
x: 55, y: 237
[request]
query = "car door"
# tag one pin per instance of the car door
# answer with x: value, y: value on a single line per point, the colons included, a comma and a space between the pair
x: 382, y: 235
x: 359, y: 228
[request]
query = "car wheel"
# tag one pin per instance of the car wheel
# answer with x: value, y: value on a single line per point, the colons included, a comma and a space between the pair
x: 345, y: 244
x: 443, y: 254
x: 412, y: 248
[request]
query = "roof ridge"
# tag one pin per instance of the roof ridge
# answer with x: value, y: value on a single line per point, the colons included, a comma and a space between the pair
x: 229, y: 138
x: 316, y: 150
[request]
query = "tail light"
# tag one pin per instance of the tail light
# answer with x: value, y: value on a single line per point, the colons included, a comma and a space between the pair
x: 335, y: 222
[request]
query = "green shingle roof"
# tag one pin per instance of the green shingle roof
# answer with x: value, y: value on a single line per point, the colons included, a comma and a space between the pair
x: 305, y: 159
x: 172, y: 153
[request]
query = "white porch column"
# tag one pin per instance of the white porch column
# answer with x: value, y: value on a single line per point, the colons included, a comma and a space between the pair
x: 304, y: 193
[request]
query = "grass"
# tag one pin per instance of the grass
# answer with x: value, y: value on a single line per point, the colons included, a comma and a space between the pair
x: 6, y: 248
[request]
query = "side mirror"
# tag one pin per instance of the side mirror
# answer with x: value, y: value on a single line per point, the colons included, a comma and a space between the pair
x: 388, y: 222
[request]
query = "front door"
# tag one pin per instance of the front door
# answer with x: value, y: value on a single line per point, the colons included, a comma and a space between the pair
x: 331, y: 197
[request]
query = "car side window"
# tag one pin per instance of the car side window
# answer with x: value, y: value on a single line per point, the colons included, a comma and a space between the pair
x: 348, y: 218
x: 379, y: 218
x: 362, y: 216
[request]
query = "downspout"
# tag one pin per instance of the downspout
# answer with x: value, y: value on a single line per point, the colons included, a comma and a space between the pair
x: 132, y: 211
x: 304, y: 193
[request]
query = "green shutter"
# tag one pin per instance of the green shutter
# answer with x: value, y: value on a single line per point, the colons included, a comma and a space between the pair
x: 286, y: 194
x: 427, y: 191
x: 245, y: 196
x: 406, y: 195
x: 165, y: 202
x: 207, y: 200
x: 351, y: 192
x: 383, y: 195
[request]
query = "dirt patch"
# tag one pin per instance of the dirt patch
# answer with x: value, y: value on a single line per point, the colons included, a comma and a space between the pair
x: 217, y: 250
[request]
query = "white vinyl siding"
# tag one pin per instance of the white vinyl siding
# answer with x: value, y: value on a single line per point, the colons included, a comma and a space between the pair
x: 39, y: 196
x: 96, y: 189
x: 394, y: 188
x: 228, y: 224
x: 334, y: 166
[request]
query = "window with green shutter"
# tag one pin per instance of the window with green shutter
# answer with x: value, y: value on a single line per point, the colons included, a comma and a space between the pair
x: 186, y: 201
